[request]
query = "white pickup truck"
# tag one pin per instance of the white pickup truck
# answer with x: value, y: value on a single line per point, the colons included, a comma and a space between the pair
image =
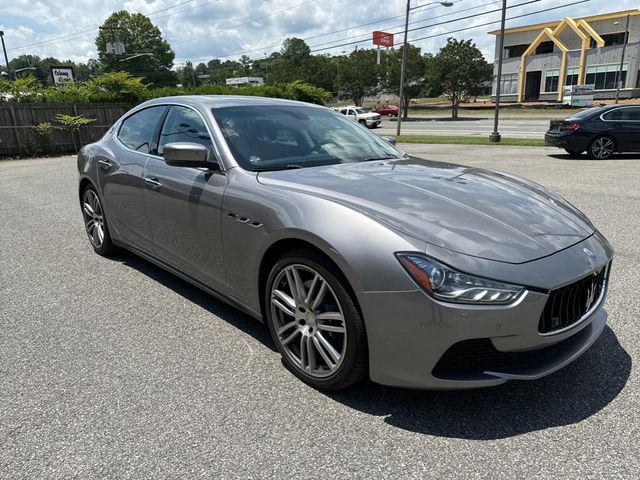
x: 360, y: 115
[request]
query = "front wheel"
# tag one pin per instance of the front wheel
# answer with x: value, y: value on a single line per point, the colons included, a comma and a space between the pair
x: 315, y: 322
x: 601, y: 148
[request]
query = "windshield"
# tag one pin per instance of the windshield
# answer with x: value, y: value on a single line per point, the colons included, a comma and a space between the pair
x: 360, y: 110
x: 277, y: 137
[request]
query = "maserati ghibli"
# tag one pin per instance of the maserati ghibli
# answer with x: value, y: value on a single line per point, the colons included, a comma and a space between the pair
x: 361, y: 260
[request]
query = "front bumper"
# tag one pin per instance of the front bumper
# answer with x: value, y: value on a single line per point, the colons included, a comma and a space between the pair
x: 409, y: 333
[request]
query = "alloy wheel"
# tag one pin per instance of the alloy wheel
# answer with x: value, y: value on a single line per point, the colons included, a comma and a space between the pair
x: 602, y: 147
x: 308, y: 320
x: 93, y: 217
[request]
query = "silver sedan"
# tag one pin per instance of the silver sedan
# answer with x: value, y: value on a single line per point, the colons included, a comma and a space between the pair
x: 362, y: 261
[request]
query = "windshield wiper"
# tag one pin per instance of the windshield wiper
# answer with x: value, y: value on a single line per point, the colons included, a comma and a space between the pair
x: 279, y: 167
x: 373, y: 159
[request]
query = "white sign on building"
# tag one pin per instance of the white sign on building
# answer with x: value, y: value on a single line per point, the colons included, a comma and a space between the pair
x: 61, y: 75
x: 244, y: 81
x: 578, y: 95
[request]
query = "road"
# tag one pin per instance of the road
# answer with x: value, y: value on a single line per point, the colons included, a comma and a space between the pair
x: 519, y: 128
x: 112, y: 368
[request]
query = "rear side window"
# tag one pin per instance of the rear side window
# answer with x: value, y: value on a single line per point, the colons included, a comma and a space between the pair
x: 136, y: 131
x: 184, y: 125
x: 623, y: 114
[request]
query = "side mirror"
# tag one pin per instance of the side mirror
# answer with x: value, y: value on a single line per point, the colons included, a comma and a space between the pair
x: 388, y: 139
x: 187, y: 154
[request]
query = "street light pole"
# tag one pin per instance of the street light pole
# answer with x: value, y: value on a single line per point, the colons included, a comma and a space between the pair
x: 6, y: 59
x: 624, y: 48
x: 495, y: 135
x: 404, y: 59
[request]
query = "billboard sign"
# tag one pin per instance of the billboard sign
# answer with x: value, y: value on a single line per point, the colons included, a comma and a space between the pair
x: 383, y: 39
x: 578, y: 95
x: 61, y: 75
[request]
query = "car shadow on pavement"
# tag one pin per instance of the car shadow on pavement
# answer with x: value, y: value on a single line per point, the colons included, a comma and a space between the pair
x: 583, y: 156
x: 568, y: 396
x: 219, y: 308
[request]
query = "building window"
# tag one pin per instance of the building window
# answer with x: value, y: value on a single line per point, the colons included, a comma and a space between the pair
x: 604, y: 76
x: 509, y: 84
x: 551, y: 80
x: 544, y: 47
x: 617, y: 38
x: 515, y: 50
x: 572, y: 76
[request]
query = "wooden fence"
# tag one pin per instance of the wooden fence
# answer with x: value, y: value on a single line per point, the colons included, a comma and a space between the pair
x: 19, y: 138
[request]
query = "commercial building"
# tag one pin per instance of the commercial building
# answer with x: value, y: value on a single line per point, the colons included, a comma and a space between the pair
x: 539, y: 60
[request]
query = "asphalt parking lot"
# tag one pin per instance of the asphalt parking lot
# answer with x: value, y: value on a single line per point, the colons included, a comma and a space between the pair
x: 112, y: 368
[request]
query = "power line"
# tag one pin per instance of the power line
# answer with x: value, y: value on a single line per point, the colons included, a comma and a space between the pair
x: 251, y: 20
x: 375, y: 22
x: 498, y: 21
x: 93, y: 29
x: 368, y: 35
x: 467, y: 17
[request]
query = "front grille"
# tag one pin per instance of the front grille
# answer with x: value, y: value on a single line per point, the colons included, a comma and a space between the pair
x: 473, y: 357
x: 567, y: 305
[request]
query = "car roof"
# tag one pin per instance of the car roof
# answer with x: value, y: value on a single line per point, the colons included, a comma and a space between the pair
x: 221, y: 101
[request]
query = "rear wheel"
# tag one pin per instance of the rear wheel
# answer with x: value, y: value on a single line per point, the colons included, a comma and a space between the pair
x: 315, y: 322
x: 601, y: 148
x: 95, y: 222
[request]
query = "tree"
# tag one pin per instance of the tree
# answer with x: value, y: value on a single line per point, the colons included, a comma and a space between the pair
x: 290, y: 64
x: 460, y: 69
x: 187, y: 75
x: 139, y: 36
x: 414, y: 80
x: 358, y: 75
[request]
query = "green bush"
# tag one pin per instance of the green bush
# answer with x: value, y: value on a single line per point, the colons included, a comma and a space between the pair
x: 122, y: 87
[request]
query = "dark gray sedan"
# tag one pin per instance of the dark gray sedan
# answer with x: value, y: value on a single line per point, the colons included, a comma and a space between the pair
x: 362, y: 261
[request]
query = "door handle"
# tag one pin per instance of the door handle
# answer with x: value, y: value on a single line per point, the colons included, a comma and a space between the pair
x: 104, y: 164
x: 152, y: 182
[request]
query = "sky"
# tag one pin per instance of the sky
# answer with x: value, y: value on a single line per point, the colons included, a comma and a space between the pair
x: 200, y: 30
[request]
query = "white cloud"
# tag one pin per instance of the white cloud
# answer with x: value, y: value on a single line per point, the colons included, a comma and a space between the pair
x: 204, y: 29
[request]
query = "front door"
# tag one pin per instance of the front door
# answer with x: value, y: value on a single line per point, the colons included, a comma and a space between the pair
x: 184, y: 204
x: 532, y: 86
x: 120, y: 178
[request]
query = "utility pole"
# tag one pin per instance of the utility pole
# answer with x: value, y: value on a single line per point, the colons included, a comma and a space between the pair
x: 6, y: 59
x: 624, y: 48
x: 404, y: 57
x: 495, y: 135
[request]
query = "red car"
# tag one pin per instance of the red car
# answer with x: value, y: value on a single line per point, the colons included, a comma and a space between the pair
x: 388, y: 110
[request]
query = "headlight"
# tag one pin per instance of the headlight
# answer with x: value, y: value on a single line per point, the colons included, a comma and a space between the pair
x: 444, y: 283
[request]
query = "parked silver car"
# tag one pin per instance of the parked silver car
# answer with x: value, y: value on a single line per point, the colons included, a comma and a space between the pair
x: 360, y: 259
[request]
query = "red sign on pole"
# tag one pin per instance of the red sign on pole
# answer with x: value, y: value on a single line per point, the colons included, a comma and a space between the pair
x: 383, y: 39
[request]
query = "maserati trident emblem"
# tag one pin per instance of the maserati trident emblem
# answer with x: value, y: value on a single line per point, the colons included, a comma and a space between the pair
x: 591, y: 296
x: 590, y: 255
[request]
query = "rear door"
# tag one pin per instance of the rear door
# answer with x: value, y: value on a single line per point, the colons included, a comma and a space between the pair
x: 184, y: 204
x: 626, y: 127
x: 120, y: 178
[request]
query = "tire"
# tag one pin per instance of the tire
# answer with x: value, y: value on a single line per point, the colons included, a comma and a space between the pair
x: 95, y: 222
x: 323, y: 319
x: 363, y: 122
x: 601, y: 147
x: 573, y: 153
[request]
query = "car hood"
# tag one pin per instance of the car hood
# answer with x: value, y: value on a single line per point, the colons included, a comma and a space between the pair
x: 476, y: 212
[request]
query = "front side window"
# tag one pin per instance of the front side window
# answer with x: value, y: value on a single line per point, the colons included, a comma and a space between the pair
x: 276, y: 137
x: 136, y: 131
x: 184, y: 125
